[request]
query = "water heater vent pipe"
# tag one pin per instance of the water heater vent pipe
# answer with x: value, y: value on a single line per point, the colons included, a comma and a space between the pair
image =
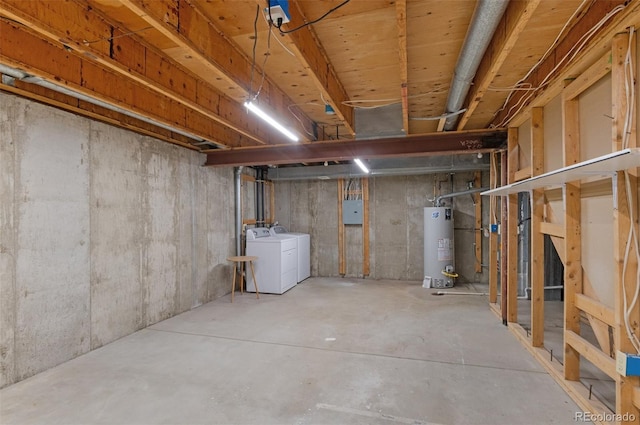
x: 438, y: 201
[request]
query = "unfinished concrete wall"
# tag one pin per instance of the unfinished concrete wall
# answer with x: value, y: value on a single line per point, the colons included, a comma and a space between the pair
x: 396, y: 224
x: 104, y: 232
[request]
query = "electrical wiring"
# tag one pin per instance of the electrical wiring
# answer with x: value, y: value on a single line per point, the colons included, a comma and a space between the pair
x: 543, y: 57
x: 569, y: 56
x: 298, y: 118
x: 264, y: 63
x: 306, y: 23
x: 253, y: 57
x: 86, y: 43
x: 632, y: 239
x: 439, y: 117
x: 389, y: 102
x: 269, y: 23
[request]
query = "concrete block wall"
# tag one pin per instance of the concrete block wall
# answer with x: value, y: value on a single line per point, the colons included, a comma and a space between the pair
x: 103, y: 232
x: 396, y: 224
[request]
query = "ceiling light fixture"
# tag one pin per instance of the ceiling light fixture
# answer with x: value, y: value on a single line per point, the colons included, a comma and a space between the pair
x: 275, y: 124
x: 361, y: 165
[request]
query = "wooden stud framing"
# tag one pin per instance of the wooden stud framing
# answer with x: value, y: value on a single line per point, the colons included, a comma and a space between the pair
x: 342, y: 263
x: 623, y: 219
x: 512, y: 229
x: 573, y: 239
x: 477, y: 201
x: 537, y: 238
x: 591, y: 353
x: 503, y: 240
x: 628, y: 16
x: 493, y: 236
x: 589, y: 77
x: 365, y: 227
x: 595, y: 309
x: 522, y: 174
x: 551, y: 229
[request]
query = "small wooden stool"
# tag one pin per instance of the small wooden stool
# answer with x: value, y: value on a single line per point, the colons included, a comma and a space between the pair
x: 242, y: 259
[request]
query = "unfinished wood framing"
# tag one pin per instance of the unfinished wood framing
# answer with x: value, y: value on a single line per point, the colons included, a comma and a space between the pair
x: 342, y: 254
x: 365, y: 227
x: 493, y: 235
x: 537, y: 237
x: 579, y: 296
x: 573, y: 239
x: 512, y: 229
x: 477, y: 202
x: 551, y: 229
x: 503, y: 239
x: 625, y: 215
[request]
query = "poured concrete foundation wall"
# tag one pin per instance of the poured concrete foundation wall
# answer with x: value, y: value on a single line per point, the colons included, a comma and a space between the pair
x: 396, y: 224
x: 103, y: 232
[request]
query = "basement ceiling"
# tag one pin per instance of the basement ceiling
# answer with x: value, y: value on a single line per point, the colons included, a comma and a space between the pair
x: 181, y: 70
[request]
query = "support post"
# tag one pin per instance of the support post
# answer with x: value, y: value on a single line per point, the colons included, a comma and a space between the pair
x: 625, y: 215
x: 537, y: 238
x: 573, y: 238
x: 477, y: 200
x: 342, y: 264
x: 493, y: 236
x: 365, y: 227
x: 503, y: 239
x: 512, y: 229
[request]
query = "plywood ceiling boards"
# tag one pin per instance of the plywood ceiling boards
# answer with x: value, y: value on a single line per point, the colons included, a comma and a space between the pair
x: 360, y: 47
x: 435, y: 33
x: 539, y: 34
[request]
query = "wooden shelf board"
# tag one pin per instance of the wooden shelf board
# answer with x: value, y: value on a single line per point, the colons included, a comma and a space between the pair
x: 600, y: 166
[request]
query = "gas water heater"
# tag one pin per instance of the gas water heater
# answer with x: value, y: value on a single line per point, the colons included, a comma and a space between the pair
x: 438, y: 248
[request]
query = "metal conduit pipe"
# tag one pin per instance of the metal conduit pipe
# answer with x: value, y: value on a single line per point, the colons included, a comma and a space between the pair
x: 483, y: 24
x: 438, y: 201
x: 237, y: 175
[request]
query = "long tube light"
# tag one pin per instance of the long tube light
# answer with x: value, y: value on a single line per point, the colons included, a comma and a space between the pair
x: 361, y: 165
x: 275, y: 124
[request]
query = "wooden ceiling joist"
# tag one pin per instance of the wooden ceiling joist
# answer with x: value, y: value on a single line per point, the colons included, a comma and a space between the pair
x: 513, y: 22
x: 21, y: 49
x: 310, y: 52
x: 423, y: 145
x: 401, y: 18
x: 85, y: 32
x: 196, y: 37
x: 514, y: 113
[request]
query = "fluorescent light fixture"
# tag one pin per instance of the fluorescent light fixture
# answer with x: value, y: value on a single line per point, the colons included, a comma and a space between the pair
x: 361, y: 165
x: 275, y: 124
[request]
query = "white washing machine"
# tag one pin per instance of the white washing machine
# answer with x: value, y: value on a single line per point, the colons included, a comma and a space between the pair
x: 304, y: 250
x: 277, y: 265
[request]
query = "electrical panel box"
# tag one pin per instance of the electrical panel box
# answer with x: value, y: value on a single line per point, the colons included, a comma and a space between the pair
x: 352, y: 211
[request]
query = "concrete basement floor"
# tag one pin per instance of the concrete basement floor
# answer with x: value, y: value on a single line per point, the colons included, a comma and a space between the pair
x: 329, y: 351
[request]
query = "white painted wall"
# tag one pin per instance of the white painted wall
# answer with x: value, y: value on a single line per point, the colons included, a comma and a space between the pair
x: 103, y: 232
